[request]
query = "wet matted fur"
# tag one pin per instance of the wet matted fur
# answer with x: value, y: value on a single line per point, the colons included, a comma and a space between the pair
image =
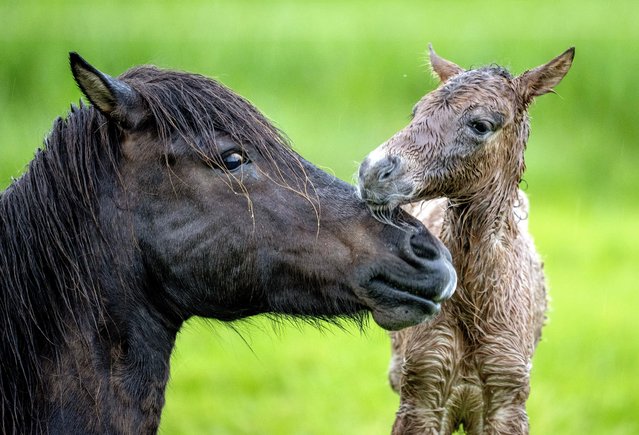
x: 469, y: 366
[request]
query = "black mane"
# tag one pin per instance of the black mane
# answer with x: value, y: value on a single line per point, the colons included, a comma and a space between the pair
x: 49, y: 238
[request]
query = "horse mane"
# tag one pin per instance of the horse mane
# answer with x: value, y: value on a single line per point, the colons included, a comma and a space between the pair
x: 49, y: 255
x: 54, y: 254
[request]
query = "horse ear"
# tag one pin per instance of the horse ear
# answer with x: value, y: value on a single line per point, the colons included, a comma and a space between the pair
x: 442, y: 68
x: 544, y: 78
x: 111, y: 96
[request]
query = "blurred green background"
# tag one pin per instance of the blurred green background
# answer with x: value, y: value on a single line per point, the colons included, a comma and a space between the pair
x: 339, y: 77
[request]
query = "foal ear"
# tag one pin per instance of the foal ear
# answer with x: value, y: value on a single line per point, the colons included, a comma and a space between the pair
x: 111, y: 96
x: 544, y: 78
x: 444, y: 69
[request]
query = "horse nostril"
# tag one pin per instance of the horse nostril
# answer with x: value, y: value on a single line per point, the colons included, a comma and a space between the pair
x: 432, y: 257
x: 423, y: 249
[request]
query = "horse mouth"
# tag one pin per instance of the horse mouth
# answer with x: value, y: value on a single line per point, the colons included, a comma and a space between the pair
x: 408, y: 289
x: 397, y: 304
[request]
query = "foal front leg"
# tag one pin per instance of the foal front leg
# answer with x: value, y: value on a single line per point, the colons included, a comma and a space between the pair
x: 505, y: 370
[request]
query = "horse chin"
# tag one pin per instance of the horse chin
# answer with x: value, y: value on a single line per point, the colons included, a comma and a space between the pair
x: 403, y: 316
x: 393, y: 308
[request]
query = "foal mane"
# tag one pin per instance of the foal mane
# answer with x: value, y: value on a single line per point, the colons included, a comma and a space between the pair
x: 55, y: 257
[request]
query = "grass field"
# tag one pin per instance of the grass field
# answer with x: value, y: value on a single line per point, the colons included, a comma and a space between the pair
x: 339, y: 77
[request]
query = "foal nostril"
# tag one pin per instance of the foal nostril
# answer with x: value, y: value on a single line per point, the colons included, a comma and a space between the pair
x: 372, y: 173
x: 387, y: 167
x: 381, y: 181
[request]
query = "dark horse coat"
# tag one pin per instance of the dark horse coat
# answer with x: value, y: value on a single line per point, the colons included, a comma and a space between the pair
x: 170, y: 197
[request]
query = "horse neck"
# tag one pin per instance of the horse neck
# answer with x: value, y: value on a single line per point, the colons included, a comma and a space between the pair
x: 115, y: 377
x: 82, y: 348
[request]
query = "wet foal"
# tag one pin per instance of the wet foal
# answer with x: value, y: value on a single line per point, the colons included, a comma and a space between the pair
x: 466, y: 142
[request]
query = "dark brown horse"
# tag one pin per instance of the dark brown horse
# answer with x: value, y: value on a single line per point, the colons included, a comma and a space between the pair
x: 171, y: 197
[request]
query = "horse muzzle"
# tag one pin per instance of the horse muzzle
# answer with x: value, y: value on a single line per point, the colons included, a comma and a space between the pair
x: 410, y: 289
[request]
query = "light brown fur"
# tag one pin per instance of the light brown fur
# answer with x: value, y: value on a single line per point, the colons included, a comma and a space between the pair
x: 471, y: 365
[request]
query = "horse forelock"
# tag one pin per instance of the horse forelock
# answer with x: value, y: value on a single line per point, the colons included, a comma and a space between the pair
x: 199, y: 110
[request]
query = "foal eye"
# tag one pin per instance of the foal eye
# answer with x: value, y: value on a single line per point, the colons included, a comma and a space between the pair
x: 233, y: 160
x: 481, y: 127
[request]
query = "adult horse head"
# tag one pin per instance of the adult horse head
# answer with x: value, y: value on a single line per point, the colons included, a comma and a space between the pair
x: 170, y: 197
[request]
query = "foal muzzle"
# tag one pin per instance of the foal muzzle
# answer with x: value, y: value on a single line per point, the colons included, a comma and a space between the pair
x: 382, y: 181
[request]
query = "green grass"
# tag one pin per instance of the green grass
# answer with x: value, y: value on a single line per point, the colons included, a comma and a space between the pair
x: 585, y: 369
x: 339, y: 77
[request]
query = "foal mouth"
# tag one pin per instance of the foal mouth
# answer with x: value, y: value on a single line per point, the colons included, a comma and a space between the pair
x: 385, y: 201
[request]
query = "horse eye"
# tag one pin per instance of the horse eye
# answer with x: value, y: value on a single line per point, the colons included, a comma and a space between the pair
x: 234, y: 160
x: 481, y: 127
x: 168, y: 160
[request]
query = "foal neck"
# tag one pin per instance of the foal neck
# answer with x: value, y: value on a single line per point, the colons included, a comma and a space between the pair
x: 484, y: 218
